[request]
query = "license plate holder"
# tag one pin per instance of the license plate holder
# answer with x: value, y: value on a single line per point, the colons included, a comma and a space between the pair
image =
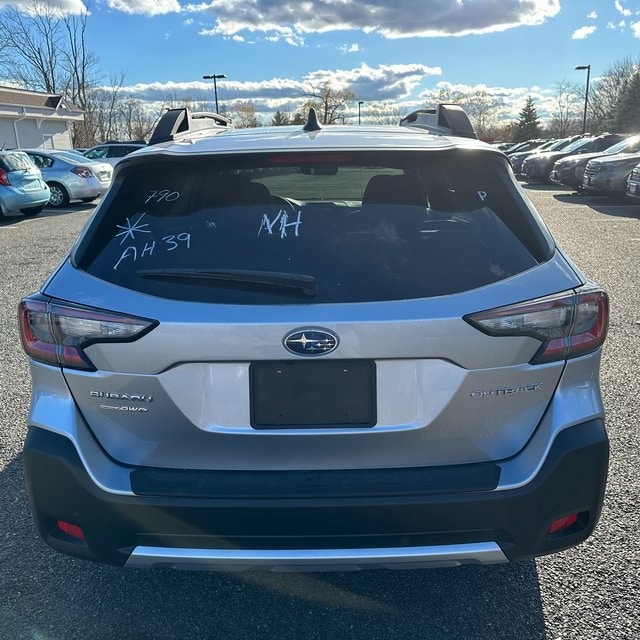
x: 313, y: 394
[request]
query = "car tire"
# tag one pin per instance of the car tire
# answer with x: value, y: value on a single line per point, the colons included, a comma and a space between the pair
x: 31, y: 211
x: 59, y: 196
x: 88, y: 199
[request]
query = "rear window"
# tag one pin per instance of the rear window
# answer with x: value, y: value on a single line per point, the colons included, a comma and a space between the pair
x: 15, y: 161
x: 316, y: 228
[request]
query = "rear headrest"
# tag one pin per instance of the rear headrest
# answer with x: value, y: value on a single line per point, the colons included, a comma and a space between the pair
x: 400, y: 189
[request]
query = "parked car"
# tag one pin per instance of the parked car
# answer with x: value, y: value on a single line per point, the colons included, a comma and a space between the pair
x: 540, y: 166
x: 559, y: 143
x: 633, y: 184
x: 608, y: 175
x: 519, y: 157
x: 22, y: 189
x: 315, y: 347
x: 525, y: 146
x: 71, y: 176
x: 569, y: 170
x: 112, y: 152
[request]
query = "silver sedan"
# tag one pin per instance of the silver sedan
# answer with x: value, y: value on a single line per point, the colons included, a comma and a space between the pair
x: 71, y: 176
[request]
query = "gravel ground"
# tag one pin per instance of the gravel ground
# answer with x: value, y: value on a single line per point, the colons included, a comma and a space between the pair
x: 592, y: 591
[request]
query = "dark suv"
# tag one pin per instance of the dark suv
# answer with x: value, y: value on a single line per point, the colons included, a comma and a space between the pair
x: 315, y: 348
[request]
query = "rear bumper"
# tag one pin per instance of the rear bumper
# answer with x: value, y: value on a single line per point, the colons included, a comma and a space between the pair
x: 90, y: 188
x: 327, y: 527
x: 13, y: 200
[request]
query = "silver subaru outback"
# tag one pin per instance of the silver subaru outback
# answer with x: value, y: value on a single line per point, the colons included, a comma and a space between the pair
x: 315, y: 348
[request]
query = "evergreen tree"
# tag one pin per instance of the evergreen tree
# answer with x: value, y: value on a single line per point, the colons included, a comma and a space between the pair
x: 280, y: 119
x: 627, y: 114
x: 528, y: 125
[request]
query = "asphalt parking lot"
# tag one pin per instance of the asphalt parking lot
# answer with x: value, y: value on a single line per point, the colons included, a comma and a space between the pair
x: 590, y: 592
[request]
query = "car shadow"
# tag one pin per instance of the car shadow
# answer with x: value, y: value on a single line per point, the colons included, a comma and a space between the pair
x: 48, y: 212
x: 615, y: 207
x: 541, y: 186
x: 48, y: 595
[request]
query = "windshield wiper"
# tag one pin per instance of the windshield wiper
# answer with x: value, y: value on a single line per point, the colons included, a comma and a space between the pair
x: 277, y: 279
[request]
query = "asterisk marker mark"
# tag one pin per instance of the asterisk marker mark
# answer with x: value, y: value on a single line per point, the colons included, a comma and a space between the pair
x: 130, y: 229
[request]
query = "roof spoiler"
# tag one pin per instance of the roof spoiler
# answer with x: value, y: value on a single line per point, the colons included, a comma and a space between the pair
x: 443, y: 120
x: 182, y: 123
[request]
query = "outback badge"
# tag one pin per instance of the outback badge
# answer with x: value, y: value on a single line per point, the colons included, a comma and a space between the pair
x: 310, y: 342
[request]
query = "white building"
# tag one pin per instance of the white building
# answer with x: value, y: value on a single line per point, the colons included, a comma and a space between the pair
x: 31, y: 119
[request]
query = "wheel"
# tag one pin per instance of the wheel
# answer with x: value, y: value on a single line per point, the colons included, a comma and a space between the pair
x: 59, y: 196
x: 32, y: 211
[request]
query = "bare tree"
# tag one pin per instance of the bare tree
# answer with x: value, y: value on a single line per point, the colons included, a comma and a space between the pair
x: 566, y: 118
x: 44, y: 50
x: 485, y: 112
x: 384, y: 113
x: 137, y: 119
x: 330, y: 103
x: 32, y: 44
x: 173, y: 101
x: 484, y: 109
x: 245, y: 115
x: 102, y: 114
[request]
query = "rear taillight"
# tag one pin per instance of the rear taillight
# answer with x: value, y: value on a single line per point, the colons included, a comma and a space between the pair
x: 83, y: 172
x: 4, y: 178
x: 568, y: 325
x: 56, y: 333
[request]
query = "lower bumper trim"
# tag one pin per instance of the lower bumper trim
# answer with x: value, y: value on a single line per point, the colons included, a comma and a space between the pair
x: 437, y: 556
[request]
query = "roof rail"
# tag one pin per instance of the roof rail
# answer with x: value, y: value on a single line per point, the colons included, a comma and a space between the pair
x: 444, y: 120
x: 181, y: 123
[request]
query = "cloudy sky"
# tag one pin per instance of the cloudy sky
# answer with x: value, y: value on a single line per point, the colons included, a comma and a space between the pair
x: 272, y: 51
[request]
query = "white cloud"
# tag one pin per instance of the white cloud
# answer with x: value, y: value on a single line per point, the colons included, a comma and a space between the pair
x: 593, y: 15
x: 512, y: 98
x: 350, y: 48
x: 385, y: 82
x: 582, y: 33
x: 620, y: 7
x: 635, y: 27
x: 66, y: 7
x: 145, y: 7
x: 372, y: 84
x: 400, y: 19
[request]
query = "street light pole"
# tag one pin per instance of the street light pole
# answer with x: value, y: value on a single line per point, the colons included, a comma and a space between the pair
x: 360, y: 103
x: 215, y: 77
x: 586, y: 67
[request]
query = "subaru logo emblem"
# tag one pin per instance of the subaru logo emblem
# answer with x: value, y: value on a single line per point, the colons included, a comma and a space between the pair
x: 310, y: 342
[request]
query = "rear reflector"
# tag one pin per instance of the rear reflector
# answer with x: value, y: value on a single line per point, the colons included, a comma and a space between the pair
x: 560, y: 524
x: 70, y: 529
x: 569, y: 324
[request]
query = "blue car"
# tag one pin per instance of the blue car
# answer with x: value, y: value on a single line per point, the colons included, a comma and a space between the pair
x: 22, y: 189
